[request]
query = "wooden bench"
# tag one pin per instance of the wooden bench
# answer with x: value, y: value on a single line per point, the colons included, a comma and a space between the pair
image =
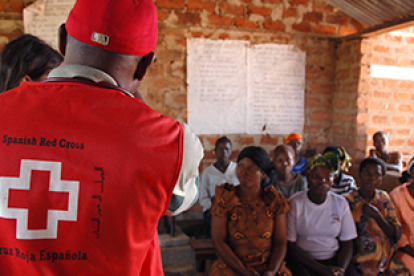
x: 204, y: 253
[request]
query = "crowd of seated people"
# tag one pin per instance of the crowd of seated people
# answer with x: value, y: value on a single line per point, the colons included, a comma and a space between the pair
x: 315, y: 221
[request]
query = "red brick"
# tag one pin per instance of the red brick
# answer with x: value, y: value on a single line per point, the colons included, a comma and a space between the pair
x: 347, y: 118
x: 224, y: 36
x: 267, y: 140
x: 291, y: 12
x: 209, y: 6
x: 374, y: 105
x: 381, y: 94
x: 219, y: 20
x: 344, y: 31
x: 362, y: 118
x: 388, y: 83
x: 400, y: 51
x: 302, y: 27
x: 298, y: 2
x: 212, y: 140
x: 397, y: 142
x: 380, y: 119
x: 322, y: 7
x: 188, y: 18
x: 389, y: 61
x: 399, y: 120
x: 402, y: 96
x: 357, y: 24
x: 412, y: 121
x: 270, y: 1
x: 196, y: 34
x: 314, y: 17
x: 209, y: 154
x: 381, y: 49
x: 404, y: 62
x: 162, y: 15
x: 264, y: 11
x: 274, y: 25
x: 404, y: 131
x: 171, y: 4
x: 311, y: 102
x: 245, y: 23
x: 232, y: 9
x: 321, y: 29
x: 393, y: 38
x: 313, y: 129
x: 404, y: 108
x: 246, y: 141
x: 411, y: 142
x: 333, y: 19
x: 371, y: 131
x: 362, y: 103
x: 320, y: 116
x: 317, y: 88
x: 350, y: 88
x: 409, y: 40
x: 341, y: 103
x: 339, y: 130
x: 388, y: 107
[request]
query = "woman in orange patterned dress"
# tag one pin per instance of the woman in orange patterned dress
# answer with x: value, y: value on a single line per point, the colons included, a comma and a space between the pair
x: 249, y: 221
x: 378, y: 228
x: 403, y: 199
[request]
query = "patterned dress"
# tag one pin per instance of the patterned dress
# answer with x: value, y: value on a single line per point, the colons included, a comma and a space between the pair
x: 249, y: 228
x: 376, y: 253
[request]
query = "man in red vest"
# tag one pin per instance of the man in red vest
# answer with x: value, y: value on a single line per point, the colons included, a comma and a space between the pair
x: 86, y: 170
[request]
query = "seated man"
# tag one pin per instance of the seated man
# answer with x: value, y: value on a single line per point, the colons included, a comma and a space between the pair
x: 295, y: 140
x: 222, y: 171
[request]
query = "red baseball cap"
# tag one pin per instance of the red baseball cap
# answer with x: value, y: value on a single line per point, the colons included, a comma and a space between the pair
x: 121, y: 26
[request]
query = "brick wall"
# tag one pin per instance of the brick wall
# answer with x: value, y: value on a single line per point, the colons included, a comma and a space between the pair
x: 390, y: 102
x: 310, y: 25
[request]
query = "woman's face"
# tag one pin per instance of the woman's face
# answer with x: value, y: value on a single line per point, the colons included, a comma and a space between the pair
x: 248, y: 173
x: 371, y: 177
x: 380, y: 142
x: 320, y: 179
x: 283, y: 162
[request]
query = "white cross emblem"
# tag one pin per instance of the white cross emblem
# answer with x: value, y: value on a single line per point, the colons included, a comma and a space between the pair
x: 23, y: 183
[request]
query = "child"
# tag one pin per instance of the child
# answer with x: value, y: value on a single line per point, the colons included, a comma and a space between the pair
x: 285, y: 181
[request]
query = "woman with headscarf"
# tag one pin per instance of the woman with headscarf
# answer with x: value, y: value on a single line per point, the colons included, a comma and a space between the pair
x: 249, y: 221
x: 320, y: 225
x: 343, y: 183
x: 403, y: 199
x: 376, y: 220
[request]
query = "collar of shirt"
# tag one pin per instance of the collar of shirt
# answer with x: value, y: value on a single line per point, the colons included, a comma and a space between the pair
x: 82, y: 71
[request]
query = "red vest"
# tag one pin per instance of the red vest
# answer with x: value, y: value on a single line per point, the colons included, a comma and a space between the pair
x: 85, y: 174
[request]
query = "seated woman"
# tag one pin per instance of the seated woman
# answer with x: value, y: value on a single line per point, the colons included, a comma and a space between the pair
x: 295, y: 140
x: 377, y: 223
x: 320, y: 225
x: 286, y: 181
x: 26, y: 58
x: 343, y: 183
x: 403, y: 199
x: 248, y: 226
x: 393, y: 160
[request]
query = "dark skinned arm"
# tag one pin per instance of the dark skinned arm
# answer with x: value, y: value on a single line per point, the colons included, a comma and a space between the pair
x: 345, y: 253
x: 307, y: 261
x: 279, y: 245
x: 386, y: 226
x: 219, y: 238
x: 407, y: 249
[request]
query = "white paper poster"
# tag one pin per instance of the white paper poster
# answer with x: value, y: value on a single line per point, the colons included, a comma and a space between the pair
x: 237, y: 89
x: 276, y: 99
x: 43, y: 18
x: 217, y: 86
